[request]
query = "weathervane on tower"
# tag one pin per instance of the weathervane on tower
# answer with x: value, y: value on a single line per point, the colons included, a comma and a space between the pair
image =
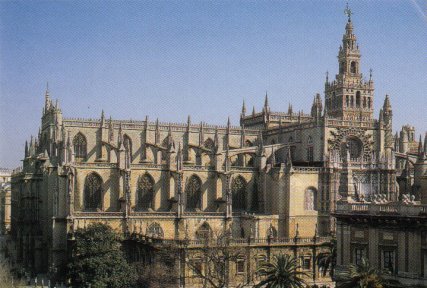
x: 348, y: 12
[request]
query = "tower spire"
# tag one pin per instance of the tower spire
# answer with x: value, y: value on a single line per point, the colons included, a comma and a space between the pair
x: 243, y: 109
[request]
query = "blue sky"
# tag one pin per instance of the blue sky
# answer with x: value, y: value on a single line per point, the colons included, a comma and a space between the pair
x: 168, y: 59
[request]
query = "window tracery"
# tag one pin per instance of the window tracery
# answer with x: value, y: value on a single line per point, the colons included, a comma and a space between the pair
x: 93, y: 192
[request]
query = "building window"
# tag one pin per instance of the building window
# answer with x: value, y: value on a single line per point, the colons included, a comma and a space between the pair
x: 145, y: 192
x: 80, y: 147
x: 240, y: 266
x: 93, y: 192
x: 204, y: 232
x: 358, y: 99
x: 310, y: 201
x: 155, y: 231
x: 353, y: 67
x: 359, y: 253
x: 194, y: 193
x: 388, y: 260
x: 238, y: 191
x: 355, y: 147
x: 306, y: 263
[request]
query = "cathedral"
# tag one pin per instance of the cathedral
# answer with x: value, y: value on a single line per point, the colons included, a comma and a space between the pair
x: 277, y: 176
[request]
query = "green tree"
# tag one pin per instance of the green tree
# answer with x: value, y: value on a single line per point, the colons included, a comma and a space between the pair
x: 360, y: 276
x: 326, y: 261
x: 98, y: 260
x: 283, y: 272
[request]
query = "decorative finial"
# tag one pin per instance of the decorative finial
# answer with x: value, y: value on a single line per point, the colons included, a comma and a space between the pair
x: 348, y: 12
x: 327, y: 76
x: 370, y: 74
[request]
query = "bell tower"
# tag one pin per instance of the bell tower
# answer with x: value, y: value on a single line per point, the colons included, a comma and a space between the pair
x: 349, y: 96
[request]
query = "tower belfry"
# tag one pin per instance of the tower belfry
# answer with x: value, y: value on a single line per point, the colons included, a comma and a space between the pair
x: 349, y: 96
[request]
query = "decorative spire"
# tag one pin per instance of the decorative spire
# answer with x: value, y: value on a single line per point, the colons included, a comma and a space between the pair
x: 102, y: 118
x: 290, y: 110
x: 370, y: 74
x: 266, y: 106
x: 420, y: 146
x: 120, y: 136
x: 26, y: 149
x: 157, y: 133
x: 387, y: 105
x: 253, y: 110
x: 179, y: 158
x: 216, y: 139
x: 327, y: 77
x: 425, y: 144
x: 201, y: 135
x: 243, y: 109
x: 48, y: 102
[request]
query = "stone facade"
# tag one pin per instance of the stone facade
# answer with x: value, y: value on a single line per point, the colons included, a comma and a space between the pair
x: 277, y: 176
x: 392, y: 236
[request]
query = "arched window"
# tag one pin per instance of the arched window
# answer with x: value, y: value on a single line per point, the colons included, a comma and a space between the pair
x: 127, y: 143
x: 80, y: 147
x: 352, y: 101
x: 145, y: 192
x: 209, y: 144
x: 93, y: 192
x: 271, y: 232
x: 291, y: 139
x: 310, y: 199
x: 238, y: 190
x: 248, y: 143
x: 155, y: 231
x: 355, y: 147
x: 193, y: 192
x: 358, y: 99
x: 353, y: 67
x: 364, y: 102
x: 369, y: 103
x: 204, y: 232
x: 347, y: 101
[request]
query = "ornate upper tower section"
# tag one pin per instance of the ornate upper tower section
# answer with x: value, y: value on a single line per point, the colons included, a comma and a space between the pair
x: 349, y: 96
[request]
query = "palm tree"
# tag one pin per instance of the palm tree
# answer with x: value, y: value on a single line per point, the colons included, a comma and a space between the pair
x: 326, y: 261
x: 281, y: 273
x: 360, y: 276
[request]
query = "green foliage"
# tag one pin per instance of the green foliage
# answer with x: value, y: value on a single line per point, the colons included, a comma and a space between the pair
x: 326, y: 261
x: 283, y: 272
x: 360, y: 276
x: 98, y: 260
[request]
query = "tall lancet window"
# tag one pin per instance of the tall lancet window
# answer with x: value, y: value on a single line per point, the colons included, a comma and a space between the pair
x: 238, y: 190
x: 193, y: 192
x: 145, y: 192
x: 310, y: 201
x: 93, y: 192
x: 80, y: 147
x: 127, y: 143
